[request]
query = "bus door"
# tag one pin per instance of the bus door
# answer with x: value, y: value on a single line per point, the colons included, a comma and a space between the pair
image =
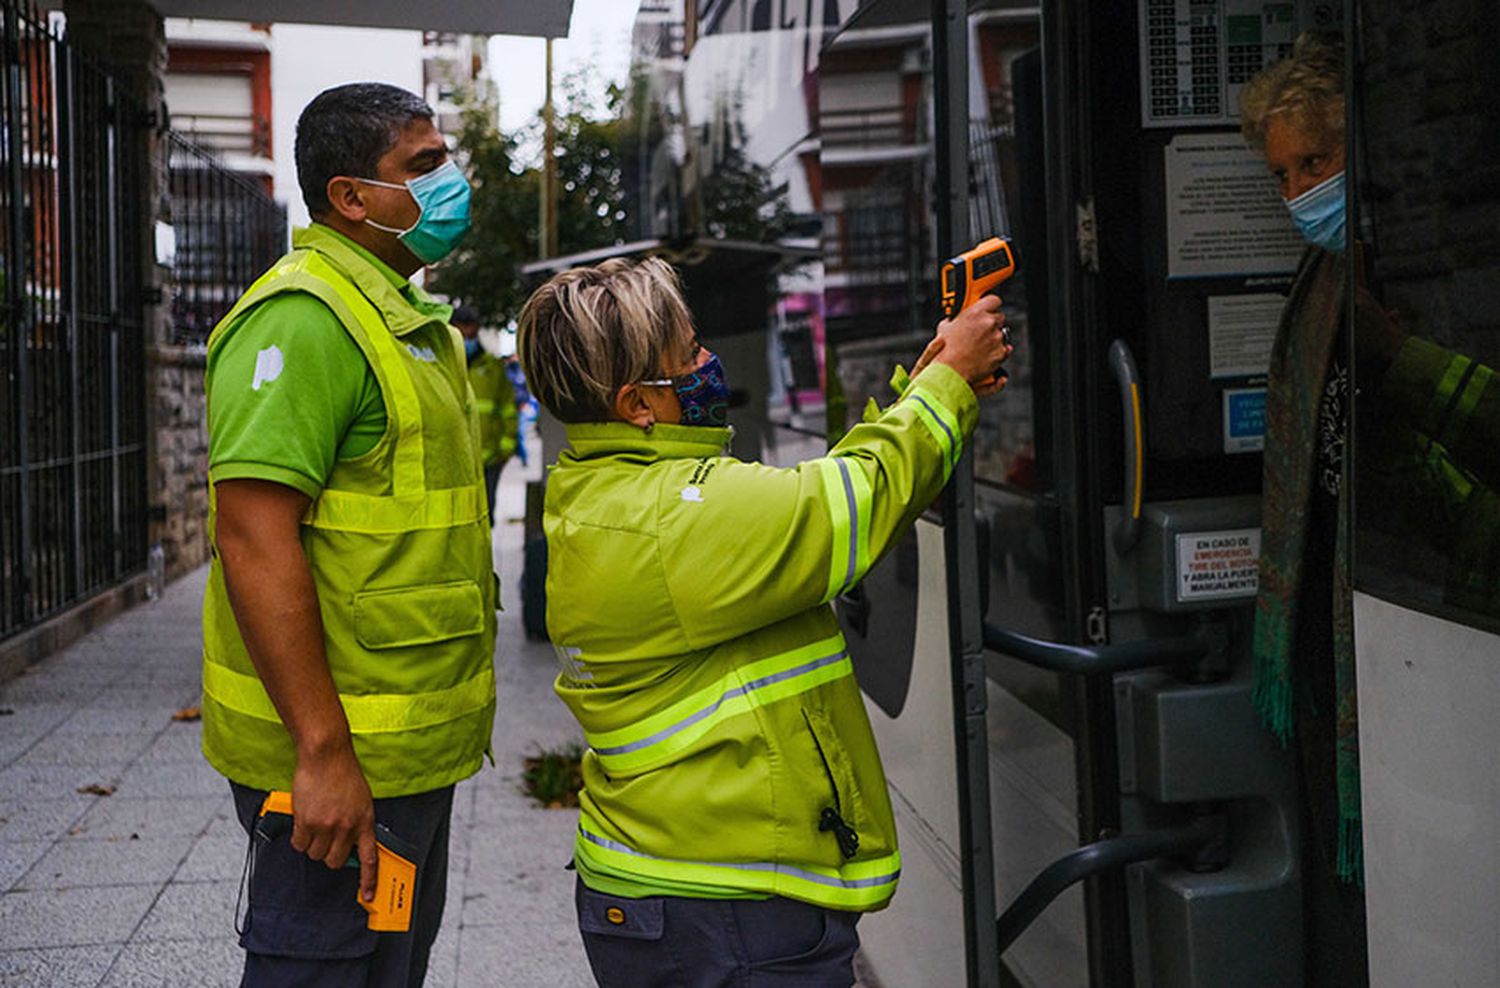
x: 1183, y: 253
x: 1425, y: 142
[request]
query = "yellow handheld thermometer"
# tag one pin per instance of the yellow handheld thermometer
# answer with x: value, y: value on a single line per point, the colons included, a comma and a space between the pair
x: 395, y: 872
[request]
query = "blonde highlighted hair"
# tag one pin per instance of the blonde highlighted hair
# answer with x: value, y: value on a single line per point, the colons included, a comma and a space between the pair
x: 590, y: 331
x: 1307, y: 88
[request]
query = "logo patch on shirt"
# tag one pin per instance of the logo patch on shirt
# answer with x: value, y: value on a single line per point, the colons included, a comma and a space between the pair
x: 268, y: 366
x: 691, y: 493
x: 423, y: 354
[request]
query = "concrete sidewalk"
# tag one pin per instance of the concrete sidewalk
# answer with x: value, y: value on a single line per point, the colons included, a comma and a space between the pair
x: 138, y: 887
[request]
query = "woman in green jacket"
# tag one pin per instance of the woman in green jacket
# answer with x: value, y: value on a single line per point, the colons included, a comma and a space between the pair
x: 735, y: 819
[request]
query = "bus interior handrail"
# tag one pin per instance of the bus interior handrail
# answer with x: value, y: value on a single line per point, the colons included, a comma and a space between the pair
x: 1091, y: 659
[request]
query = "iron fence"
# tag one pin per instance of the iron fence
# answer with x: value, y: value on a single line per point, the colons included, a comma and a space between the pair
x: 73, y: 512
x: 228, y: 231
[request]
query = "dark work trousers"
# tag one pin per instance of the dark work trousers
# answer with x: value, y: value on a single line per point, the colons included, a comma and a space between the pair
x: 491, y: 479
x: 303, y: 927
x: 672, y: 942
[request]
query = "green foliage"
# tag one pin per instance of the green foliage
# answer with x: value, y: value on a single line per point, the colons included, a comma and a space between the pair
x: 485, y: 271
x: 591, y: 189
x: 554, y: 777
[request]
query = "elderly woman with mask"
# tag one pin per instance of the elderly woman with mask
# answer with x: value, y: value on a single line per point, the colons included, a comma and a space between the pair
x: 734, y: 819
x: 1293, y: 112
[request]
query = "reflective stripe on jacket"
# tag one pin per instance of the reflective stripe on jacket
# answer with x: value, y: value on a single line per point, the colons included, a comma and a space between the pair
x: 399, y: 548
x: 688, y: 598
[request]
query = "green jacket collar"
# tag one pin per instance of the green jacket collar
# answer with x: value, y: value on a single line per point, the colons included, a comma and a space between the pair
x: 404, y: 306
x: 663, y: 442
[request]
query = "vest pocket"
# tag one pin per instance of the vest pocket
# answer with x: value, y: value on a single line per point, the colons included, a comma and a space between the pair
x: 418, y: 615
x: 841, y: 817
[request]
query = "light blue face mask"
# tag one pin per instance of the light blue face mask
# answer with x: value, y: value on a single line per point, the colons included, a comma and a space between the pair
x: 1319, y: 214
x: 442, y: 195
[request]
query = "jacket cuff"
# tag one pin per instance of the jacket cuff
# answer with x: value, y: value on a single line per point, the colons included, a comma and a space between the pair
x: 949, y: 387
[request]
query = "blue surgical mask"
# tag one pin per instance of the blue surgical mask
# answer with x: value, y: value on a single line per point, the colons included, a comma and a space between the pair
x: 443, y: 197
x: 703, y: 394
x: 471, y: 348
x: 1319, y: 214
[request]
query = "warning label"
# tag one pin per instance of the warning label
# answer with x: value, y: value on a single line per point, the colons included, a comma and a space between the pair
x: 1218, y: 565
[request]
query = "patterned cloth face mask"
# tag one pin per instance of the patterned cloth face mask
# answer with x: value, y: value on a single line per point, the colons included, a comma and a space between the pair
x: 442, y: 195
x: 702, y: 393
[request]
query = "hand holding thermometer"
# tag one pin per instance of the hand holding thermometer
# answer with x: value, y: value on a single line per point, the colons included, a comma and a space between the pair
x: 975, y: 273
x: 395, y: 871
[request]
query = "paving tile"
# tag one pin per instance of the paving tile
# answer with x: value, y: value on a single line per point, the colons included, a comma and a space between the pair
x: 154, y: 717
x: 52, y: 686
x: 16, y: 859
x: 119, y: 817
x: 527, y: 955
x: 57, y: 967
x: 215, y: 858
x: 98, y: 863
x: 72, y: 917
x: 28, y: 721
x: 41, y: 819
x: 177, y: 964
x: 114, y: 749
x: 53, y: 781
x: 178, y: 743
x: 178, y: 778
x: 144, y: 697
x: 191, y: 911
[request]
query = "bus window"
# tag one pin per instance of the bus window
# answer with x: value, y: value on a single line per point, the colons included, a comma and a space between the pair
x: 1425, y: 333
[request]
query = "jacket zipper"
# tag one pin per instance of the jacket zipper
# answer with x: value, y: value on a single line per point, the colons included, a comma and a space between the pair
x: 832, y: 818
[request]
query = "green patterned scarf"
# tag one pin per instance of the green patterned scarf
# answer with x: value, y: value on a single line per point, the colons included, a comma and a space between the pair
x: 1299, y: 365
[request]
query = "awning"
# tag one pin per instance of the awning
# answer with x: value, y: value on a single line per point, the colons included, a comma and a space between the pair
x: 727, y: 283
x: 532, y: 18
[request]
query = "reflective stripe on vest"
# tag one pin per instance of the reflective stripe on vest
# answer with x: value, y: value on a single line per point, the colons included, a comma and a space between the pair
x: 847, y: 491
x: 854, y: 885
x: 940, y: 422
x: 673, y: 730
x: 408, y: 475
x: 368, y: 713
x: 386, y: 515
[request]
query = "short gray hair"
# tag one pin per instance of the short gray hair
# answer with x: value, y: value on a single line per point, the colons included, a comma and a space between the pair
x: 590, y: 331
x: 1307, y: 88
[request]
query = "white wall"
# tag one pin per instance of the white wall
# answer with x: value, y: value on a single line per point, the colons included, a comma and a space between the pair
x: 1428, y: 741
x: 307, y: 59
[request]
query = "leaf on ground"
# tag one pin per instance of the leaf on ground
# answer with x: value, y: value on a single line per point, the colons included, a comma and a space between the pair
x: 189, y: 713
x: 95, y: 789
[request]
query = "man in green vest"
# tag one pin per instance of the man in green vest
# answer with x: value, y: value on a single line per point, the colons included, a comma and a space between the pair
x: 494, y: 398
x: 348, y: 623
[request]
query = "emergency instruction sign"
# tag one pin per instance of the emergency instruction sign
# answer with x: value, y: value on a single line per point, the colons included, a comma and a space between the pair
x: 1218, y: 565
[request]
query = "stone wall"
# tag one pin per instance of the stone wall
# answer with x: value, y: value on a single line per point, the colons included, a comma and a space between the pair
x: 130, y: 38
x: 179, y: 471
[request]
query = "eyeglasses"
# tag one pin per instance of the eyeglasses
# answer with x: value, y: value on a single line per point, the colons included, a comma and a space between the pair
x: 677, y: 381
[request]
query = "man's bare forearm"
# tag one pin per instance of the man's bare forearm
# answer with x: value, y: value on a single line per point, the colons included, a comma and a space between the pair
x: 276, y: 606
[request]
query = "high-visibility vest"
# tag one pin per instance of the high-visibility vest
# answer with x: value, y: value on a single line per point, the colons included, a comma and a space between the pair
x: 730, y: 754
x: 399, y: 547
x: 495, y: 400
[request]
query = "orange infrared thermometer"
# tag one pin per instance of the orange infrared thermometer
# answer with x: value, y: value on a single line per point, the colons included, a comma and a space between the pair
x: 975, y: 273
x: 395, y: 870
